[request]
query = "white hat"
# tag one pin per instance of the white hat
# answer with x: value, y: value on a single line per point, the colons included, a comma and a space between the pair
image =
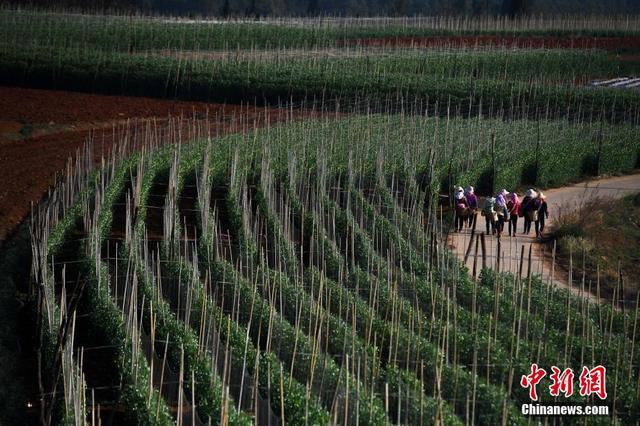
x: 459, y: 195
x: 530, y: 193
x: 504, y: 192
x: 470, y: 189
x: 459, y: 189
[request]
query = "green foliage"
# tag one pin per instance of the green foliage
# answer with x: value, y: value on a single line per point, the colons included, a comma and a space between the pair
x: 557, y: 148
x: 426, y: 338
x: 617, y: 153
x: 182, y: 341
x: 107, y: 320
x: 328, y: 381
x: 297, y: 406
x: 123, y: 33
x: 472, y: 340
x: 14, y: 276
x: 396, y: 383
x: 455, y: 81
x: 406, y: 395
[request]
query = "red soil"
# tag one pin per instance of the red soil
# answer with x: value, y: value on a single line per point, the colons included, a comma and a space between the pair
x: 532, y: 42
x: 61, y: 122
x: 9, y: 127
x: 629, y: 58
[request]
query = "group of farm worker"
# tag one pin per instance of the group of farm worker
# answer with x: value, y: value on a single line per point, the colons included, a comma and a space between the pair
x: 505, y: 207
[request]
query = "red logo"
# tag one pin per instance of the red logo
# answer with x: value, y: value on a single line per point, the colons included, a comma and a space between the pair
x: 591, y: 381
x: 531, y: 380
x: 561, y: 382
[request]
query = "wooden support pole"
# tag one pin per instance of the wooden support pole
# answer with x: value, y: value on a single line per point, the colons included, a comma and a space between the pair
x: 529, y: 261
x: 484, y: 251
x: 475, y: 258
x: 521, y: 261
x: 468, y: 252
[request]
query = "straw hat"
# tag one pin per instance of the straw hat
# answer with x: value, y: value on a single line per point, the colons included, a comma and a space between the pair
x: 541, y: 195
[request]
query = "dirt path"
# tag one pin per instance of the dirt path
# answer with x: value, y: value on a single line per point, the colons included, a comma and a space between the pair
x: 560, y: 200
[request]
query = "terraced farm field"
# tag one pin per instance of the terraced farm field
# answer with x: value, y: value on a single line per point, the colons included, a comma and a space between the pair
x: 291, y: 267
x: 302, y: 282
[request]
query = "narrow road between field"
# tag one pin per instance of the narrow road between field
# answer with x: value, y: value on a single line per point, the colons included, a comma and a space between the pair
x: 508, y: 257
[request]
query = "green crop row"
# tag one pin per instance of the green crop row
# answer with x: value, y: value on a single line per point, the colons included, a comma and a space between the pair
x: 369, y: 409
x: 271, y: 375
x: 481, y: 299
x: 293, y: 407
x: 127, y: 33
x: 466, y: 151
x: 339, y: 334
x: 464, y: 322
x: 512, y: 84
x: 408, y: 343
x: 106, y: 320
x: 298, y: 303
x: 61, y: 231
x: 296, y: 406
x: 182, y: 343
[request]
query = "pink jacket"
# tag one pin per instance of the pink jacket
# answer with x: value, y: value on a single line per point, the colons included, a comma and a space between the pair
x: 513, y: 207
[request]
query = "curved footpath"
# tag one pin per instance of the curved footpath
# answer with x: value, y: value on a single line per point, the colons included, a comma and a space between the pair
x: 560, y: 200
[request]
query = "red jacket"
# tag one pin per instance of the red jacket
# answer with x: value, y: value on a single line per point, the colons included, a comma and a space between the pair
x: 514, y: 208
x: 462, y: 203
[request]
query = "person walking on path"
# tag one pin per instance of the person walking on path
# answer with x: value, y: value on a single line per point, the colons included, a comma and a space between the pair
x: 502, y: 213
x: 462, y: 208
x: 513, y: 206
x: 472, y: 201
x: 489, y: 213
x: 528, y: 209
x: 543, y: 214
x: 533, y: 214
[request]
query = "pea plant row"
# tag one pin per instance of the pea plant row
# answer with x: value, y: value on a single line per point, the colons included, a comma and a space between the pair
x: 298, y: 274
